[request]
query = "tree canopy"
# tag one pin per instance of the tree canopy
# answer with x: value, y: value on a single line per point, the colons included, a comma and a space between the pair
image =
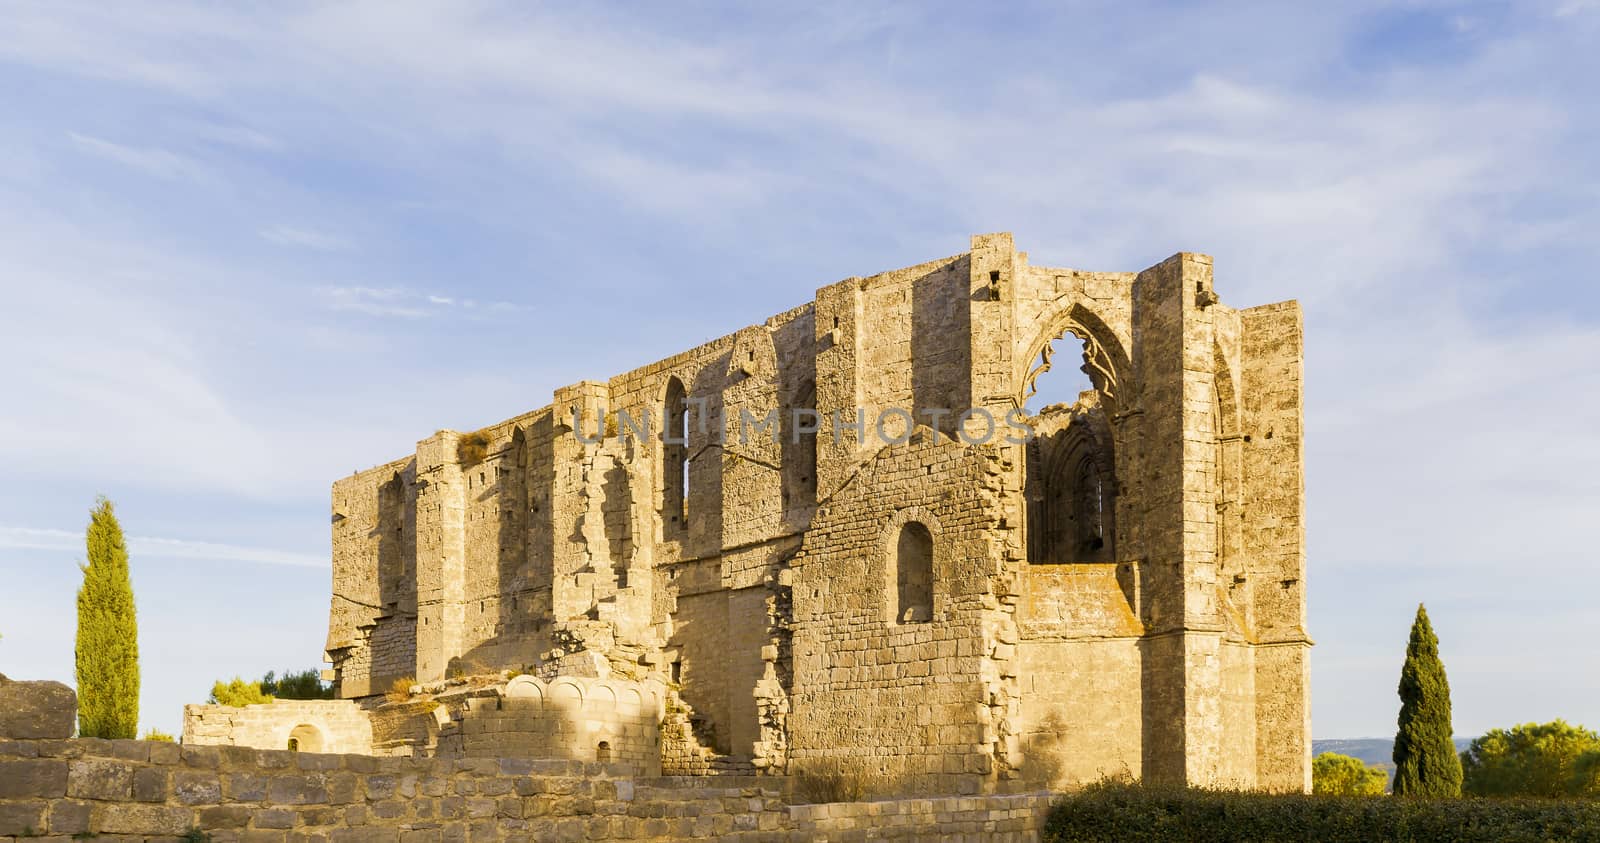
x: 1333, y: 774
x: 294, y: 685
x: 1534, y: 759
x: 237, y: 693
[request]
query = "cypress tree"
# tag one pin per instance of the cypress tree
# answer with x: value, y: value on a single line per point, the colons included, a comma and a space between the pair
x: 108, y: 634
x: 1425, y: 759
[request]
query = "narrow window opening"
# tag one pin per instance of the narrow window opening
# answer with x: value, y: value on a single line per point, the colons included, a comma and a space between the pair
x: 675, y: 459
x: 677, y: 672
x: 294, y: 744
x: 913, y: 568
x: 602, y: 753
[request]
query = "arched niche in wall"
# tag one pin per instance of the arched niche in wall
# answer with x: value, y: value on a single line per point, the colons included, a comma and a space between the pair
x: 911, y: 555
x: 1071, y: 493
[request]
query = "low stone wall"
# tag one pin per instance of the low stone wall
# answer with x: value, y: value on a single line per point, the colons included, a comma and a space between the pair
x: 574, y: 718
x: 331, y: 726
x: 127, y: 790
x: 992, y: 819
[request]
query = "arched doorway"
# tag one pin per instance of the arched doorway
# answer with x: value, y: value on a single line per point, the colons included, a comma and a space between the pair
x: 305, y: 738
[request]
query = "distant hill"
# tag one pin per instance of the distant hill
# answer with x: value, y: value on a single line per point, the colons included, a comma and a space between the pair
x: 1379, y: 752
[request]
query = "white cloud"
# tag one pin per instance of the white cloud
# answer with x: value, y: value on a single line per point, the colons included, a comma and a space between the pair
x: 152, y: 160
x: 37, y: 538
x: 288, y: 235
x: 404, y: 304
x: 241, y: 137
x: 373, y: 301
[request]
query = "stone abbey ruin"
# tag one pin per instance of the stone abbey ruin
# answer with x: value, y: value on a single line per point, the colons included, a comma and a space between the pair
x: 875, y: 582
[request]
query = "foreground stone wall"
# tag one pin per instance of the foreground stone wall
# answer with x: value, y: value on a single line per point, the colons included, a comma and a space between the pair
x: 35, y: 709
x: 133, y: 790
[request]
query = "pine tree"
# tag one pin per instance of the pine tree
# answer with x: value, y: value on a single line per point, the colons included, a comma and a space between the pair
x: 108, y: 634
x: 1425, y: 759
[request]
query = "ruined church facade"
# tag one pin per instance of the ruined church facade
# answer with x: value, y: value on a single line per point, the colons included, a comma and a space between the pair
x: 933, y: 586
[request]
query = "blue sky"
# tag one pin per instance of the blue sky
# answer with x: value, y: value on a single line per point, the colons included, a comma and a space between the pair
x: 244, y: 252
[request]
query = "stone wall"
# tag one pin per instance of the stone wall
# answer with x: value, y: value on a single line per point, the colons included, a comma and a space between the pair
x: 314, y: 725
x: 904, y: 702
x: 138, y: 790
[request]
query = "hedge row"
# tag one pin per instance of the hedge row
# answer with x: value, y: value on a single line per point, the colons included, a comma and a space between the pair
x: 1129, y: 812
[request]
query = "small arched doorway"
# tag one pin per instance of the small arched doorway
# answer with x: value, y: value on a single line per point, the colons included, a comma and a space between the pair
x: 305, y: 738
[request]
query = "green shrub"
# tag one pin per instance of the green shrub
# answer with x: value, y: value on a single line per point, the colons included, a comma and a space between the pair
x: 1586, y: 774
x: 238, y: 693
x: 1533, y: 759
x: 1117, y: 812
x: 1333, y: 774
x: 154, y: 734
x: 301, y: 685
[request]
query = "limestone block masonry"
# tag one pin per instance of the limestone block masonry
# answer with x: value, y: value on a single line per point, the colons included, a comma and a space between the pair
x: 131, y: 791
x: 37, y: 709
x: 802, y: 531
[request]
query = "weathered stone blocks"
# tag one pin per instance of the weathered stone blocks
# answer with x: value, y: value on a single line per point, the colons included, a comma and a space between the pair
x: 37, y: 710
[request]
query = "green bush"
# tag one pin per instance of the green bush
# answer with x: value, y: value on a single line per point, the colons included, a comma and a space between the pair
x: 1533, y: 759
x: 1333, y: 774
x: 1116, y: 812
x: 238, y: 693
x: 154, y: 734
x: 302, y: 685
x: 1586, y: 774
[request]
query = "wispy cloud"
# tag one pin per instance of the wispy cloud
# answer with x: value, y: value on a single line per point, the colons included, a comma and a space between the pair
x: 288, y: 235
x: 374, y: 301
x: 241, y: 137
x: 405, y: 304
x: 152, y: 160
x: 37, y: 538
